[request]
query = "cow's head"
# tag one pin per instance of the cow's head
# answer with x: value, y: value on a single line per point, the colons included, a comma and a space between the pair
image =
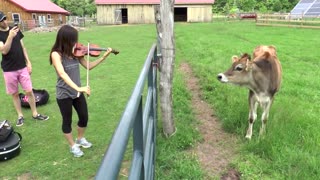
x: 239, y: 73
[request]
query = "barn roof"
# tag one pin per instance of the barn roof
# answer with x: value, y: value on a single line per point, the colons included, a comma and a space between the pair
x: 39, y: 6
x: 152, y: 1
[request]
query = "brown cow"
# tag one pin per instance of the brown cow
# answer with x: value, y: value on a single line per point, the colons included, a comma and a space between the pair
x: 262, y: 76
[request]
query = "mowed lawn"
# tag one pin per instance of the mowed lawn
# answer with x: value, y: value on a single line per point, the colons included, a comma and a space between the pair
x: 45, y: 153
x: 289, y: 150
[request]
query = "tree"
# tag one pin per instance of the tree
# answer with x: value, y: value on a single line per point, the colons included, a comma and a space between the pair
x: 277, y: 6
x: 218, y: 6
x: 247, y: 5
x: 165, y: 28
x: 224, y: 6
x: 90, y: 7
x: 78, y: 7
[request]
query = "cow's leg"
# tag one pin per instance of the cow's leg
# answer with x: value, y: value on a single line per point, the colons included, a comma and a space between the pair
x: 253, y: 105
x: 265, y: 114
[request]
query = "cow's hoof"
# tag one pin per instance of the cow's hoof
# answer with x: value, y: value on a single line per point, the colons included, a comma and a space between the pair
x: 248, y: 137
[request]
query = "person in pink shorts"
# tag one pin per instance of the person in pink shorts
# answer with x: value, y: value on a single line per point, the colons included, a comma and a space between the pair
x: 16, y: 68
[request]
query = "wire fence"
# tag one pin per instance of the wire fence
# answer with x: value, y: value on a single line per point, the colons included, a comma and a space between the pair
x: 272, y: 19
x: 26, y: 25
x: 288, y: 20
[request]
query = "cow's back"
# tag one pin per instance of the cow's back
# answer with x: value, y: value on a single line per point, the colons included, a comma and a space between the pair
x: 265, y: 57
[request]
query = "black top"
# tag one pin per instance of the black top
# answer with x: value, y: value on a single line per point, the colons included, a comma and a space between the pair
x: 15, y: 59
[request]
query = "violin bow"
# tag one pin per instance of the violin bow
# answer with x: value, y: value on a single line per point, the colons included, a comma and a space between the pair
x: 88, y: 60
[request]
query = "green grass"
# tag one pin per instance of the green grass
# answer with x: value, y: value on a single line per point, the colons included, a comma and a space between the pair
x: 45, y: 153
x: 289, y: 150
x: 174, y: 161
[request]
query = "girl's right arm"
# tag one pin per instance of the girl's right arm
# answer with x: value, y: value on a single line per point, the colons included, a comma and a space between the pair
x: 56, y: 61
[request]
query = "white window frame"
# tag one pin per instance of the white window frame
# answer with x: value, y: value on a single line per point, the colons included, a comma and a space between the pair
x: 19, y: 18
x: 34, y: 16
x: 49, y: 17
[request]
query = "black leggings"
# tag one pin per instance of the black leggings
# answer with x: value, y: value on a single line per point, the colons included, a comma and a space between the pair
x: 80, y: 105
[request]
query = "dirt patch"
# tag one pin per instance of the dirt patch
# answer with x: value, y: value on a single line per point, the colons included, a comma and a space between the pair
x: 25, y: 176
x: 218, y: 148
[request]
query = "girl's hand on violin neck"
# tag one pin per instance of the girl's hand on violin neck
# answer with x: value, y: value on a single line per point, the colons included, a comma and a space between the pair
x: 85, y: 89
x: 106, y: 54
x: 109, y: 50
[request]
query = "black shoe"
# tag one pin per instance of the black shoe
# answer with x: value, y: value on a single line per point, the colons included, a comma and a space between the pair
x: 20, y: 121
x: 41, y: 117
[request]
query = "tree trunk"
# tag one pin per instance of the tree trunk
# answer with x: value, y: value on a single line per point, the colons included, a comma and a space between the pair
x: 165, y: 28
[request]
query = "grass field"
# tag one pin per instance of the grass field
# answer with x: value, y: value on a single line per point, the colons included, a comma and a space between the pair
x: 45, y: 153
x: 289, y: 150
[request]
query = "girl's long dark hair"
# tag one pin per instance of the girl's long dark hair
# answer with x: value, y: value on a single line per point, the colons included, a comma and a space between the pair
x: 67, y: 37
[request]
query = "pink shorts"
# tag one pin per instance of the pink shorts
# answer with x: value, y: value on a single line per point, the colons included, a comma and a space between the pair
x: 13, y: 78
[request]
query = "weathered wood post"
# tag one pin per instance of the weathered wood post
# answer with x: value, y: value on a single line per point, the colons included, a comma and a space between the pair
x: 165, y: 27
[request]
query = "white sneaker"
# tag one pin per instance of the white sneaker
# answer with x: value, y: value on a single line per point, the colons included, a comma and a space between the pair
x: 76, y: 151
x: 84, y: 143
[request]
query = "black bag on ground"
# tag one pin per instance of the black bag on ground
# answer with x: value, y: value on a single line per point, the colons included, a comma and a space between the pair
x: 41, y: 97
x: 11, y: 147
x: 5, y: 130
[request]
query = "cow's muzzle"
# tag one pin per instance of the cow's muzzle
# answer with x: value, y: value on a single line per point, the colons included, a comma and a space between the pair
x: 222, y: 78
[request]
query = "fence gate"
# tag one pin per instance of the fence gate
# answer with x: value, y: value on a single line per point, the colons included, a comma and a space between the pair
x: 142, y: 120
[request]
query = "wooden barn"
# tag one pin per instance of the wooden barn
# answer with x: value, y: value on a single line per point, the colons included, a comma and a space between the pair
x: 33, y: 13
x: 142, y: 11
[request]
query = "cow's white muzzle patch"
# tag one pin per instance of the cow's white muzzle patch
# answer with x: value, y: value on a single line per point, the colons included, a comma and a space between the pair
x: 222, y: 78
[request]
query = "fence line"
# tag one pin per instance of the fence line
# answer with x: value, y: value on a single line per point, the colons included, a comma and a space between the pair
x: 142, y: 122
x: 288, y: 20
x: 236, y: 17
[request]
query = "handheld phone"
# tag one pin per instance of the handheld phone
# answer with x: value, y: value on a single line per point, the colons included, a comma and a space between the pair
x: 15, y: 24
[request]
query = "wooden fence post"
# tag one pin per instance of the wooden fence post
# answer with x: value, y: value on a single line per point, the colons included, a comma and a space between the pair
x: 165, y: 27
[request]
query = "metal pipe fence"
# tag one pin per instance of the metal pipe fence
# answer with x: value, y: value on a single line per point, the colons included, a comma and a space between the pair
x: 142, y: 121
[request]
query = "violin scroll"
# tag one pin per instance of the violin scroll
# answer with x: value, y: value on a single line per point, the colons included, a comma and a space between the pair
x: 115, y: 52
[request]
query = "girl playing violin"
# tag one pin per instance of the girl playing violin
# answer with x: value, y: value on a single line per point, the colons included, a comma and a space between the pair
x: 69, y: 91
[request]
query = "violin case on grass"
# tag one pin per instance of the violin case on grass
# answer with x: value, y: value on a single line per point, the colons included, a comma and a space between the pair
x: 10, y: 147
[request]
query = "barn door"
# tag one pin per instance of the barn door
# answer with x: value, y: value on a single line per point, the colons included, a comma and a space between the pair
x: 42, y: 21
x: 124, y: 13
x: 118, y: 16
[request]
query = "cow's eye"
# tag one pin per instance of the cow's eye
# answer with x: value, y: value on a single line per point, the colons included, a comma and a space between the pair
x: 238, y: 67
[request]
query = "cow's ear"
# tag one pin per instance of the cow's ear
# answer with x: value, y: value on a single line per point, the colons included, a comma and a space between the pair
x: 272, y: 47
x: 274, y: 50
x: 249, y: 57
x: 234, y: 59
x: 248, y: 65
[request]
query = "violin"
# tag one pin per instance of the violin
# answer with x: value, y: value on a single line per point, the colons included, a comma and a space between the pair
x: 94, y: 50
